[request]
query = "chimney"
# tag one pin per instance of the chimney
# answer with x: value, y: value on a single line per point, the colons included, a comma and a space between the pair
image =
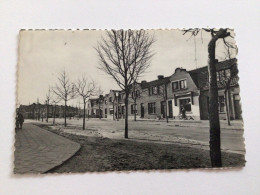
x: 160, y: 77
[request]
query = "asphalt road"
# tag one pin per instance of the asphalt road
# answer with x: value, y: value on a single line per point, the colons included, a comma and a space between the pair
x: 191, y: 133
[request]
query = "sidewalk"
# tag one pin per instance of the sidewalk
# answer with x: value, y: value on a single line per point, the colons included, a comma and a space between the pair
x: 38, y: 150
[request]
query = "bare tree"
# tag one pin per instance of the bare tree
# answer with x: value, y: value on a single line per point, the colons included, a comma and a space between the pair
x: 85, y: 89
x: 227, y: 77
x: 54, y: 101
x: 134, y: 97
x: 47, y: 101
x: 65, y: 91
x: 216, y: 34
x: 99, y: 93
x: 125, y: 55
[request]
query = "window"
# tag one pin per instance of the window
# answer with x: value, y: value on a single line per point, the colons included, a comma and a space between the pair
x: 105, y: 101
x: 133, y: 108
x: 186, y: 104
x: 175, y: 85
x: 110, y: 99
x: 223, y: 74
x: 105, y: 111
x: 153, y: 90
x: 111, y: 111
x: 137, y: 93
x: 221, y: 104
x: 151, y: 108
x: 183, y: 84
x: 160, y: 88
x: 227, y: 72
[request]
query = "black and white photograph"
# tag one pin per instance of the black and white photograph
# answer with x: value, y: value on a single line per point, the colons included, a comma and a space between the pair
x: 127, y: 100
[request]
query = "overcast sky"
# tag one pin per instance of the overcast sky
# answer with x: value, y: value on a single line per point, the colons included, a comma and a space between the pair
x: 43, y: 54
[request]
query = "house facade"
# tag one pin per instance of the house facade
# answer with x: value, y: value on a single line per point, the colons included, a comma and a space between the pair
x: 165, y: 96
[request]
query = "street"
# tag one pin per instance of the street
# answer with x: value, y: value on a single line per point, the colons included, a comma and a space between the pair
x: 190, y: 133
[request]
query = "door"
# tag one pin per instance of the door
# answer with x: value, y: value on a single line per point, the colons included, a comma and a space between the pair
x: 142, y: 110
x: 237, y: 107
x: 170, y: 109
x: 163, y: 109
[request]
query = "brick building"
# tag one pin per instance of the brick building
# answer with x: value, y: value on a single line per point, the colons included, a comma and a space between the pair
x: 166, y: 95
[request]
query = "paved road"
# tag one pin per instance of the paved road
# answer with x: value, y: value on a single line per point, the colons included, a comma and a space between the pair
x: 38, y: 150
x: 197, y: 134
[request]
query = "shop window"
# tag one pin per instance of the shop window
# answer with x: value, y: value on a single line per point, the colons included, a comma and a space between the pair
x: 186, y: 104
x: 151, y: 108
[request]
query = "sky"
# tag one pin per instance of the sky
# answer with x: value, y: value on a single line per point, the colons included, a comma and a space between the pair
x: 43, y: 54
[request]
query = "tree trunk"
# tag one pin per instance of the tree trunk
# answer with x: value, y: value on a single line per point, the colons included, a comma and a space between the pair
x: 135, y: 110
x: 227, y: 106
x: 126, y: 115
x: 54, y: 115
x: 84, y: 115
x: 117, y: 110
x: 215, y: 151
x: 166, y: 105
x: 47, y: 117
x: 113, y: 110
x: 99, y: 110
x: 166, y: 112
x: 65, y: 113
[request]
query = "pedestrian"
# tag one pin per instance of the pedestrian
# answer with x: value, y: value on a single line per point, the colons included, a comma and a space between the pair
x: 21, y: 120
x: 16, y: 122
x: 183, y: 112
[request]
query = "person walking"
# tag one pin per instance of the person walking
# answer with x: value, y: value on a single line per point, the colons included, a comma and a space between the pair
x: 21, y: 120
x: 16, y: 122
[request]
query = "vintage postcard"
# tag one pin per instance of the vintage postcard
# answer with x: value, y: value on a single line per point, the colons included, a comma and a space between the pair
x: 126, y: 100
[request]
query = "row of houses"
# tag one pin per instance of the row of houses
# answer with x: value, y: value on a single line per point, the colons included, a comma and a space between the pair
x: 38, y: 111
x: 165, y: 96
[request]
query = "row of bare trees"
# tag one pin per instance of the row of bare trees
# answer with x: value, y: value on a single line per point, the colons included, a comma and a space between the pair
x: 66, y: 90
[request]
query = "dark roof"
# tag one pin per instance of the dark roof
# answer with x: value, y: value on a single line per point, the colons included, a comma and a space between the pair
x: 200, y: 75
x: 155, y: 82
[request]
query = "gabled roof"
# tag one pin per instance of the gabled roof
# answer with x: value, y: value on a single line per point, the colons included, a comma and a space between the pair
x: 200, y: 75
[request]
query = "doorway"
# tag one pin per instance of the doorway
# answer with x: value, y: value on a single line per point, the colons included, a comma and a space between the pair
x: 142, y: 110
x: 163, y: 105
x: 170, y: 109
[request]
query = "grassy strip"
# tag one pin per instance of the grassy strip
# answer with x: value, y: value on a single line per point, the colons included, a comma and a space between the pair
x: 103, y: 154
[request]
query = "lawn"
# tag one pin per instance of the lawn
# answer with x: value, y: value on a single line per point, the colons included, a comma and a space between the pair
x: 104, y: 154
